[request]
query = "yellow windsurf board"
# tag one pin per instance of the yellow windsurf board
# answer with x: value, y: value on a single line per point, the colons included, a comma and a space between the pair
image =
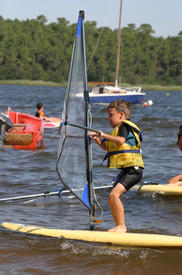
x: 115, y: 238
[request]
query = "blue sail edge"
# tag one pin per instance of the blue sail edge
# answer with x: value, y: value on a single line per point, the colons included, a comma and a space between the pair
x: 79, y: 27
x: 85, y: 195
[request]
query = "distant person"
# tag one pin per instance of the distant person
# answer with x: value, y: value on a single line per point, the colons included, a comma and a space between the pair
x: 50, y: 122
x: 123, y: 145
x: 40, y: 112
x: 177, y: 180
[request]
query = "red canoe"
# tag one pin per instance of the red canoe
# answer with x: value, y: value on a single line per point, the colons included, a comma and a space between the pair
x: 27, y: 132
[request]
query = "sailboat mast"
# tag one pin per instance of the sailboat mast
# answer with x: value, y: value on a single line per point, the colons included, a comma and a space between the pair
x: 118, y: 46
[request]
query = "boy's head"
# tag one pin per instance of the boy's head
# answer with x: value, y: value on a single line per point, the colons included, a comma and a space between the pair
x: 39, y: 105
x: 121, y: 106
x: 118, y: 111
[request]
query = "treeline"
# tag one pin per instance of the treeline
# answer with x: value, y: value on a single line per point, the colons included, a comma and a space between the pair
x: 36, y: 50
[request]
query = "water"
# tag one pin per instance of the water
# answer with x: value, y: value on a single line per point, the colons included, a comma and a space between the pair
x: 31, y: 172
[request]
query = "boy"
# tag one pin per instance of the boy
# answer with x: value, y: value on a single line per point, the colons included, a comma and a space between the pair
x: 124, y: 152
x: 40, y: 112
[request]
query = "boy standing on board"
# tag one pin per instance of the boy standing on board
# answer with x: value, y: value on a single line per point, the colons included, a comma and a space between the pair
x: 124, y: 152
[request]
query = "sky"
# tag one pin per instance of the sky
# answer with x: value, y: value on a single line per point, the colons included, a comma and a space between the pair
x: 163, y: 15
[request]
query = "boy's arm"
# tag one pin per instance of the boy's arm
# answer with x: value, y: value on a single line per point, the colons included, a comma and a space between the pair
x: 116, y: 139
x: 97, y: 138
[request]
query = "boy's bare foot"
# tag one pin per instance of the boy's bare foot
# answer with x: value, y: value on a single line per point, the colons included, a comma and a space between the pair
x: 118, y: 229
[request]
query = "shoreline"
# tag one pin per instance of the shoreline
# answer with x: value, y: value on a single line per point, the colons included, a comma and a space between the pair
x: 54, y: 84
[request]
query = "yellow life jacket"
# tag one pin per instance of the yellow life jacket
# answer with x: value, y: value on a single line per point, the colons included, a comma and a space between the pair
x: 127, y: 154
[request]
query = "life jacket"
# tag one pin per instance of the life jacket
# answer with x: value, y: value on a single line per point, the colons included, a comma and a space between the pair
x: 127, y: 154
x: 40, y: 113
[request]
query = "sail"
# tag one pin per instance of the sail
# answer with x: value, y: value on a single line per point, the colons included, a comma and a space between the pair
x: 74, y: 152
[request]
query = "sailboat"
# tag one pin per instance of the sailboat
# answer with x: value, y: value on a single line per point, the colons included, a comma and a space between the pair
x: 104, y: 93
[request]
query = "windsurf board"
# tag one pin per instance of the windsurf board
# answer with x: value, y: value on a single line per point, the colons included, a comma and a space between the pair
x: 163, y: 189
x: 114, y: 238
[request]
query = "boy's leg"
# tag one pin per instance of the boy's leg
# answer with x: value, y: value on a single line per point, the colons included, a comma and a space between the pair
x: 117, y: 208
x: 125, y: 180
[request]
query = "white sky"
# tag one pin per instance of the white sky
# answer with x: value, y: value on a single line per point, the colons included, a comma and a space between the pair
x: 163, y: 15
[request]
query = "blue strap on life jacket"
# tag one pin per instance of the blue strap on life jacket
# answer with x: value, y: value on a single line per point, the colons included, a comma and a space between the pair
x: 123, y: 151
x: 109, y: 154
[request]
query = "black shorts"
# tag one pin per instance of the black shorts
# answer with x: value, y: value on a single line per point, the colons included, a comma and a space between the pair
x: 128, y: 177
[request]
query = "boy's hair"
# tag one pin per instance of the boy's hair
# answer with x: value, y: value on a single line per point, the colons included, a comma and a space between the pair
x: 121, y: 106
x: 39, y: 105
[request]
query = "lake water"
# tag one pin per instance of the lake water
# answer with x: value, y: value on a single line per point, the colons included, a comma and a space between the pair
x: 30, y: 172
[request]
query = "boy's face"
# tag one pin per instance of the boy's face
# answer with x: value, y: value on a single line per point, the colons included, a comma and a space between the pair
x: 115, y: 117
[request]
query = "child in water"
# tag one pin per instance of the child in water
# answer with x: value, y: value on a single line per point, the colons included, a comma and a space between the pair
x: 40, y: 112
x: 124, y: 153
x: 177, y: 180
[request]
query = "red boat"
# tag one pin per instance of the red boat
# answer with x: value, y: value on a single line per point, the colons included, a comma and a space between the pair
x: 27, y: 132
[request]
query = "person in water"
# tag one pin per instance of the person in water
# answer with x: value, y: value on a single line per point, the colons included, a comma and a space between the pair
x: 40, y: 112
x: 177, y: 180
x: 123, y: 145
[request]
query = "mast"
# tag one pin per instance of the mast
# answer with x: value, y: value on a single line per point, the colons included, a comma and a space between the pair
x: 87, y: 125
x: 118, y: 46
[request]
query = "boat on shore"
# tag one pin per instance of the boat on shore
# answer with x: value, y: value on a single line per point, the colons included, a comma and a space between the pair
x: 27, y: 132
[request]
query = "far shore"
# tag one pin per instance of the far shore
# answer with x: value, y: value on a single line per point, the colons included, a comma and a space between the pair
x: 53, y: 84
